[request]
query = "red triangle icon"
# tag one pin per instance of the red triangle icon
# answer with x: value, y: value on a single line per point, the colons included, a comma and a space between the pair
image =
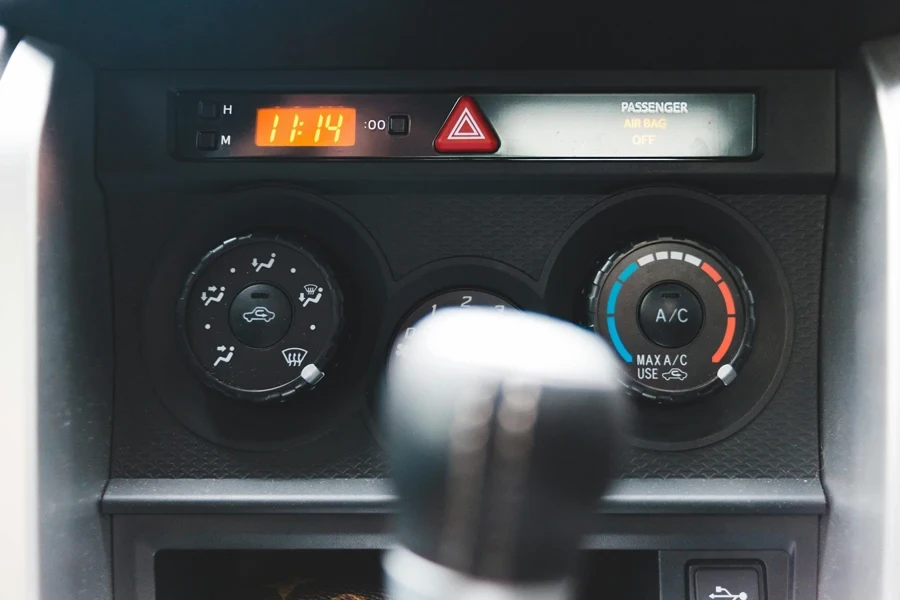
x: 466, y: 131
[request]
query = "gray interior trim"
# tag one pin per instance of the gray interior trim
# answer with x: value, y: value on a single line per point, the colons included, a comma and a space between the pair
x: 57, y: 355
x: 24, y: 97
x: 860, y: 359
x: 630, y: 496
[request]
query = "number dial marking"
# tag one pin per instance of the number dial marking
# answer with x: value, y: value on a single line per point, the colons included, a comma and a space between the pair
x: 464, y: 298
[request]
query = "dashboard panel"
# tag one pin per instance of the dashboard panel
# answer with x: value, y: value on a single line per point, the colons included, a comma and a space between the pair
x: 235, y: 243
x: 225, y: 224
x: 261, y: 290
x: 397, y: 233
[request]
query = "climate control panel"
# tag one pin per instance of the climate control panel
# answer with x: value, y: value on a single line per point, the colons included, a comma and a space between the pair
x: 463, y: 184
x: 678, y: 314
x: 260, y: 317
x: 302, y: 315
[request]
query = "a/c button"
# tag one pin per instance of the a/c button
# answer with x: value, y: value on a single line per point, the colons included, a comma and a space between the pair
x: 671, y: 315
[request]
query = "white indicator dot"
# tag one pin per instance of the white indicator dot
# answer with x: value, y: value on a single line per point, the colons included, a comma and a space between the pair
x: 690, y: 258
x: 233, y: 269
x: 293, y: 270
x: 206, y: 326
x: 662, y: 255
x: 312, y: 327
x: 646, y: 259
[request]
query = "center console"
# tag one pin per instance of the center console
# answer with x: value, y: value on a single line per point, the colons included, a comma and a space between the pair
x: 276, y: 237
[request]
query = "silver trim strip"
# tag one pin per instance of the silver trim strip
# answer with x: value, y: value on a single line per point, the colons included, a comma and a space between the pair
x: 25, y: 89
x: 374, y: 496
x: 883, y: 62
x: 860, y: 336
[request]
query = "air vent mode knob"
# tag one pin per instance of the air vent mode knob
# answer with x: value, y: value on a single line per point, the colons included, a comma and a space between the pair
x: 260, y: 318
x: 678, y: 314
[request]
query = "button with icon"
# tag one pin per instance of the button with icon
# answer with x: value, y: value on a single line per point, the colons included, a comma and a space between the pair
x: 725, y: 581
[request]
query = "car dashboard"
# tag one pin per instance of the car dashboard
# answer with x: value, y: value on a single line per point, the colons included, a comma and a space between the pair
x: 223, y: 224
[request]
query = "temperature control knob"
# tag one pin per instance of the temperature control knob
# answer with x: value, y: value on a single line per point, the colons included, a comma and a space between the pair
x: 678, y: 314
x: 260, y: 317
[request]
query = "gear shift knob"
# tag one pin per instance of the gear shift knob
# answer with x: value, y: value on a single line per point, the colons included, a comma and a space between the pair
x: 502, y: 430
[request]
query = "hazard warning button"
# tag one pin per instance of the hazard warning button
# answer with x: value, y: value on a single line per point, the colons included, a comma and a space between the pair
x: 466, y: 131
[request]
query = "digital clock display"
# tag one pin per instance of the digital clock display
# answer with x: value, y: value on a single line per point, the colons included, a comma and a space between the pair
x: 306, y: 126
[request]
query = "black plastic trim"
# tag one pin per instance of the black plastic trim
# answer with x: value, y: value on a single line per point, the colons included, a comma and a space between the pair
x: 8, y: 42
x: 786, y: 544
x: 795, y: 130
x: 374, y: 496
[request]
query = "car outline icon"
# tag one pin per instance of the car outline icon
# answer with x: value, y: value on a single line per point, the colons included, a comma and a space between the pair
x: 260, y: 313
x: 675, y: 373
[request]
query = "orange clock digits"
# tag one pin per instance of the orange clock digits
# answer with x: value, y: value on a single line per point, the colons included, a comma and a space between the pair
x: 306, y: 126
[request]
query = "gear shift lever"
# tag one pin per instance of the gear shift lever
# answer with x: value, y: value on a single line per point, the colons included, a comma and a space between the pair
x: 501, y: 431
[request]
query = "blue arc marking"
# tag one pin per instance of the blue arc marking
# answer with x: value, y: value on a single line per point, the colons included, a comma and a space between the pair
x: 611, y: 312
x: 613, y: 296
x: 628, y: 272
x: 616, y: 340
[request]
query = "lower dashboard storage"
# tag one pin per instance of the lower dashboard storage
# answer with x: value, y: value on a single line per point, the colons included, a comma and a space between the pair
x: 356, y: 575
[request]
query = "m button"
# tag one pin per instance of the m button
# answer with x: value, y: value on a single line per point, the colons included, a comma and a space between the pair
x: 207, y: 140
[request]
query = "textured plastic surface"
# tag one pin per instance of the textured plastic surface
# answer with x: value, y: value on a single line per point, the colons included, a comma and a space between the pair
x: 415, y: 230
x: 418, y: 230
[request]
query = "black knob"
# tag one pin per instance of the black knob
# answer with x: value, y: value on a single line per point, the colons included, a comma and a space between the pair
x: 501, y: 433
x: 671, y: 315
x: 679, y: 315
x: 261, y: 316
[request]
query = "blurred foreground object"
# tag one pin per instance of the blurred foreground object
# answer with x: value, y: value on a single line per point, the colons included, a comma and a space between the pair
x: 501, y: 436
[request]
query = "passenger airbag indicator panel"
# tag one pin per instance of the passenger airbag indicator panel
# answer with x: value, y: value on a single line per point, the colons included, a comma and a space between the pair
x: 217, y: 125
